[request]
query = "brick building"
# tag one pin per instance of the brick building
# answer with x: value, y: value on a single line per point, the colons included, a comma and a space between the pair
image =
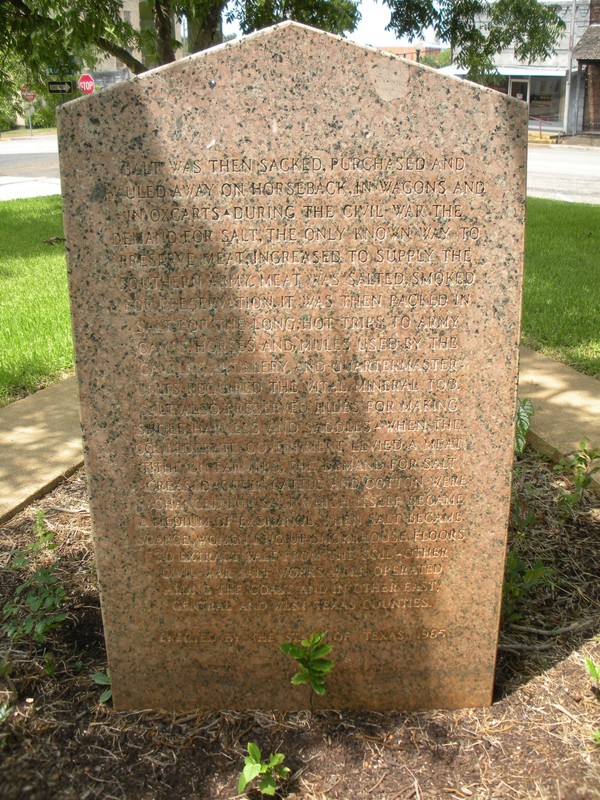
x: 414, y: 52
x: 587, y: 55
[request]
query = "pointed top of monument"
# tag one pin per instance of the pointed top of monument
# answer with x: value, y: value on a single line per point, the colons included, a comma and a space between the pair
x: 303, y: 38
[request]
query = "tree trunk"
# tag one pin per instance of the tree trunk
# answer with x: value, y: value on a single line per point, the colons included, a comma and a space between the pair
x: 164, y: 31
x: 209, y: 29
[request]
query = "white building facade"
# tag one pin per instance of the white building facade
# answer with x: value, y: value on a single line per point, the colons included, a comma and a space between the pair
x: 549, y: 87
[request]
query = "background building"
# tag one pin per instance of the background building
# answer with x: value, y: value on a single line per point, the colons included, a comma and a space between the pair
x: 139, y: 14
x: 587, y: 55
x: 415, y: 51
x: 555, y: 89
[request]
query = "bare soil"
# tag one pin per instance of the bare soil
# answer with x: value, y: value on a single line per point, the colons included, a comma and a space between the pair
x: 536, y: 741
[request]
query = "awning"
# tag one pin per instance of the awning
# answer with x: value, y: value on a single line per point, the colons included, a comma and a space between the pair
x: 588, y: 47
x: 514, y: 72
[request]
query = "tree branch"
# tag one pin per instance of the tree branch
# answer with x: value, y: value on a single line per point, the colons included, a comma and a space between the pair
x: 24, y: 12
x: 123, y: 55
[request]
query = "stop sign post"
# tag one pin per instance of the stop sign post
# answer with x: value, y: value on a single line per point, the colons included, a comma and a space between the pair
x: 86, y: 84
x: 29, y: 97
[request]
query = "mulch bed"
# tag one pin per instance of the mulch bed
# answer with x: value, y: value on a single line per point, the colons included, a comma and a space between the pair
x: 58, y: 741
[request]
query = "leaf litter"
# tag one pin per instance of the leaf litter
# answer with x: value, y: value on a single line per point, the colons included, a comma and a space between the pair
x: 534, y: 743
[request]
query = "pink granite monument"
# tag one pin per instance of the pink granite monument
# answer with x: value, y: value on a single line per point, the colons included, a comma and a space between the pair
x: 295, y: 267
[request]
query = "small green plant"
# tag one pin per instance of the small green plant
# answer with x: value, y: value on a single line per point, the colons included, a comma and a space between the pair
x: 585, y: 463
x: 5, y: 667
x: 103, y: 679
x: 593, y: 670
x: 272, y: 771
x: 581, y: 465
x: 310, y: 655
x: 5, y: 711
x: 522, y: 515
x: 524, y: 414
x: 50, y: 665
x: 34, y: 609
x: 596, y: 737
x: 519, y: 580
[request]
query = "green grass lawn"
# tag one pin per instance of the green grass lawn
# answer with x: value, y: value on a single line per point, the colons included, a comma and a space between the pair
x: 35, y: 327
x: 561, y: 307
x: 561, y: 303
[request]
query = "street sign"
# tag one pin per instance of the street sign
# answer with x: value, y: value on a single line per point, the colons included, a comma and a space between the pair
x: 60, y: 87
x: 27, y: 94
x: 86, y: 84
x: 66, y: 67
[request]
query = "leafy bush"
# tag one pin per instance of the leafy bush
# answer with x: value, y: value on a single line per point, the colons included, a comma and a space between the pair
x: 8, y: 116
x: 44, y: 115
x: 103, y: 679
x: 593, y: 670
x: 581, y: 465
x: 6, y: 711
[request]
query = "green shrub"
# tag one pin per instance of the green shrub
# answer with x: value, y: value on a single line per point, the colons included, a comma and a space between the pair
x: 103, y: 679
x: 8, y: 116
x: 44, y: 115
x: 524, y: 414
x: 581, y: 465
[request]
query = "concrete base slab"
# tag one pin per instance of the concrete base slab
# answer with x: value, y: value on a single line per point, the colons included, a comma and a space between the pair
x: 40, y: 443
x: 566, y: 405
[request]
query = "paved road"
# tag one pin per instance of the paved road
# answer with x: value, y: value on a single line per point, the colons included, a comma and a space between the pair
x: 29, y: 167
x: 560, y: 172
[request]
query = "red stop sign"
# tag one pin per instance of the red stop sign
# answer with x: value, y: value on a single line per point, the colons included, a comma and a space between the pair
x: 27, y: 94
x: 86, y: 84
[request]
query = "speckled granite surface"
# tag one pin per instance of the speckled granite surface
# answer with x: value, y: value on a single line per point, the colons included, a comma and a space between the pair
x: 295, y: 267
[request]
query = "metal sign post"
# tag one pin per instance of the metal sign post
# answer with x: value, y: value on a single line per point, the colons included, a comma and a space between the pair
x: 29, y: 97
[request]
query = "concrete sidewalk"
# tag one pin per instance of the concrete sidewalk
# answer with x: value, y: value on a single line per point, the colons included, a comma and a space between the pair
x: 40, y: 439
x: 19, y: 188
x: 566, y: 405
x: 40, y: 443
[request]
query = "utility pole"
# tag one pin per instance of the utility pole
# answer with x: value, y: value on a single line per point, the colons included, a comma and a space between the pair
x: 568, y: 87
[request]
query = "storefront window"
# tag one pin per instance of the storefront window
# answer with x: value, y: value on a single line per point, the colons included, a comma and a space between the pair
x: 546, y: 98
x: 520, y: 89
